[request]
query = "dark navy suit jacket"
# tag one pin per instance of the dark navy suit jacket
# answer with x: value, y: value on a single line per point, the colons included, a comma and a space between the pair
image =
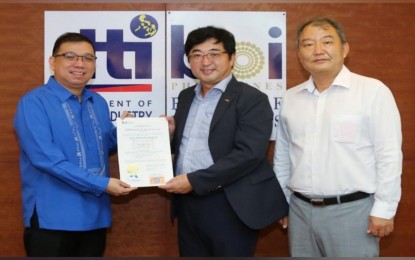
x: 238, y: 139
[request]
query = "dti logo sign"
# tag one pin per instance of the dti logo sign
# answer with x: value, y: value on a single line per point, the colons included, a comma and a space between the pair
x: 143, y: 27
x: 249, y: 60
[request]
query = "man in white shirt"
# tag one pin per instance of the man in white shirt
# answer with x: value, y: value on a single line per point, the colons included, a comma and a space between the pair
x: 338, y: 151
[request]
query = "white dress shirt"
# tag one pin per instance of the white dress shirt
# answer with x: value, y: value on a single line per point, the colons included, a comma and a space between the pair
x: 346, y: 139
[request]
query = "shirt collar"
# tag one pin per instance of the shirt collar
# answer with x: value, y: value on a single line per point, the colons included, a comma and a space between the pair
x: 342, y: 80
x: 62, y: 93
x: 221, y: 86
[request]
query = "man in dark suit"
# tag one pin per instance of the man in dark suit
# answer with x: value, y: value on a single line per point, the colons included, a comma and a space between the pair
x: 224, y: 188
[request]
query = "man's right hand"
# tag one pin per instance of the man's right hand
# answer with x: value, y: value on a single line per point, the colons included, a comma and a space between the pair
x: 284, y: 222
x: 117, y: 187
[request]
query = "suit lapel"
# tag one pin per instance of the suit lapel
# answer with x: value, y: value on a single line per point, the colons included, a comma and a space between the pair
x: 227, y: 98
x: 186, y: 102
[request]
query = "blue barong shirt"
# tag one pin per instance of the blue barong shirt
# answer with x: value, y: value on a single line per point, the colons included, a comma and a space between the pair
x: 64, y: 149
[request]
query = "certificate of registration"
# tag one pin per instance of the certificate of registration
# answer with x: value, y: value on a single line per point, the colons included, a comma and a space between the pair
x: 144, y: 153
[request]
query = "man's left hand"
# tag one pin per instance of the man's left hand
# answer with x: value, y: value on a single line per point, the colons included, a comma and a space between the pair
x: 179, y: 184
x: 380, y: 227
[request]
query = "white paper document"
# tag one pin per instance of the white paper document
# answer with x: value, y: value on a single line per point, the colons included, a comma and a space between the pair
x: 144, y: 153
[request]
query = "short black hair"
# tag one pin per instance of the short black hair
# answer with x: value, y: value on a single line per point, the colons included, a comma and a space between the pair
x: 202, y: 34
x: 70, y: 37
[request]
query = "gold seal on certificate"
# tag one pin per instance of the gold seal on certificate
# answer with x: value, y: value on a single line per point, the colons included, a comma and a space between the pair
x: 144, y: 153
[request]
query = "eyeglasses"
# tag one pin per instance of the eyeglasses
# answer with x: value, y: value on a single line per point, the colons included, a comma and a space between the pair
x: 211, y: 56
x: 73, y: 57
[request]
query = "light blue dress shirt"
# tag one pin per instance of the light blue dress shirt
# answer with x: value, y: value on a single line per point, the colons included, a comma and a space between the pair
x: 194, y: 149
